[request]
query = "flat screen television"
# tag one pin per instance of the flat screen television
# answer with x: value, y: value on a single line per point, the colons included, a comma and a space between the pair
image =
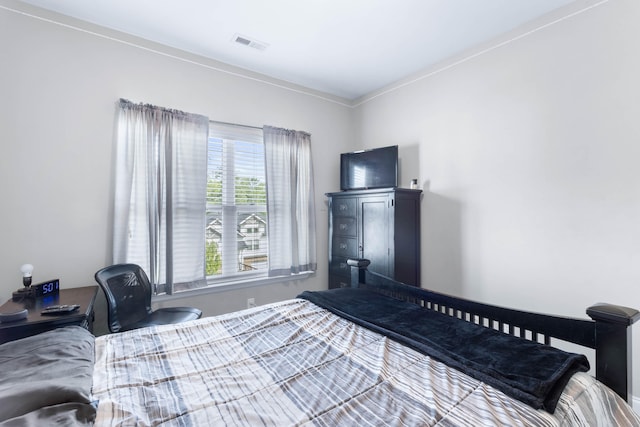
x: 375, y: 168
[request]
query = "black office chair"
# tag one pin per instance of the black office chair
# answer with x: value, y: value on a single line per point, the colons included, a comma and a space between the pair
x: 128, y: 293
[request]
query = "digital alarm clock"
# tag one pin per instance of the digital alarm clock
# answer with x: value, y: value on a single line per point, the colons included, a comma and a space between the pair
x: 40, y: 290
x: 44, y: 289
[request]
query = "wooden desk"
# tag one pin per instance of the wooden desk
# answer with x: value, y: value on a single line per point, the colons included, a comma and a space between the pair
x: 36, y: 323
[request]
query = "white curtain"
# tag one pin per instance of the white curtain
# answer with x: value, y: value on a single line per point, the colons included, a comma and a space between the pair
x: 291, y: 214
x: 160, y: 194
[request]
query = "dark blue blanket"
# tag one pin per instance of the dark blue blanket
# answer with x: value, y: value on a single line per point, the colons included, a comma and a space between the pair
x: 528, y: 371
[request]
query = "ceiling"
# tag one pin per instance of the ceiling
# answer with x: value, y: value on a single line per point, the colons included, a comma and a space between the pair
x: 346, y: 48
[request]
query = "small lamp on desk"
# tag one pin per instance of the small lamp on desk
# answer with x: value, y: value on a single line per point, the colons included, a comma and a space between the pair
x: 27, y: 274
x: 26, y: 292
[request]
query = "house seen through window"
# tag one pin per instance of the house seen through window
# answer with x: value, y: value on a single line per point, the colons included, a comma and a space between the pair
x: 236, y: 213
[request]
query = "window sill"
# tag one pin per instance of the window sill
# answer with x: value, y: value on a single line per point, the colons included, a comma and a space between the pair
x: 232, y: 285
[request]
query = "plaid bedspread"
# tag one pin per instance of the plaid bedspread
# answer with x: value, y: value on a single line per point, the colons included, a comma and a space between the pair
x: 294, y: 363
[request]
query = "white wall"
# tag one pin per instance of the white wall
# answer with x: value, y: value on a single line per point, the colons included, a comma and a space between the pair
x: 59, y: 86
x: 530, y: 152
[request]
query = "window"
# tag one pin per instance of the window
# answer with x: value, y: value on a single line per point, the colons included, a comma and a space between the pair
x: 236, y: 210
x: 190, y: 206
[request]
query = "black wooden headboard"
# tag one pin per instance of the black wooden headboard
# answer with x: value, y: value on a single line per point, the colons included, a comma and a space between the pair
x: 608, y: 332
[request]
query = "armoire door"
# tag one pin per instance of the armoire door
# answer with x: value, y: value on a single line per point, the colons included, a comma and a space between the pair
x: 374, y: 238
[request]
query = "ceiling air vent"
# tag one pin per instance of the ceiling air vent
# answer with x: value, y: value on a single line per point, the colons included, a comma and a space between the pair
x: 246, y: 41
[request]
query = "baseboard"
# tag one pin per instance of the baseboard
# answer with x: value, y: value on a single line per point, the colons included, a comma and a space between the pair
x: 635, y: 403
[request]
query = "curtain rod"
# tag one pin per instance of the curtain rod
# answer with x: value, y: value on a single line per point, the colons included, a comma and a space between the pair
x: 235, y: 124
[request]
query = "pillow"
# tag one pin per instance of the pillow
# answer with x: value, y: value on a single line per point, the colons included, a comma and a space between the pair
x: 47, y: 378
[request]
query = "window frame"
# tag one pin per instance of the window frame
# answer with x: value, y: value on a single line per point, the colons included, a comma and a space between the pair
x: 230, y: 135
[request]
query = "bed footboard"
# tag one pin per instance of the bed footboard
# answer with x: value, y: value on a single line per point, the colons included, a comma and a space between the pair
x: 608, y: 333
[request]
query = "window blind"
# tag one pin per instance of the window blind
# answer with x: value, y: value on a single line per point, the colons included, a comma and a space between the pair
x: 236, y: 201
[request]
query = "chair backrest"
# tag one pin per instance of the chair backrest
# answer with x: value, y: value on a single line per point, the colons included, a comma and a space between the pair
x: 128, y: 292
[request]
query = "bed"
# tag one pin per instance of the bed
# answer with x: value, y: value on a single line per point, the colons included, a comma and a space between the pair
x: 377, y: 353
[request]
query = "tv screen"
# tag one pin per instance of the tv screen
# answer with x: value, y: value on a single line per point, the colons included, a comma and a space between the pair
x: 376, y: 168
